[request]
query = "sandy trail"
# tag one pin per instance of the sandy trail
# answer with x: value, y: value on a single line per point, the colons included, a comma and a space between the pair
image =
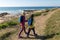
x: 40, y: 22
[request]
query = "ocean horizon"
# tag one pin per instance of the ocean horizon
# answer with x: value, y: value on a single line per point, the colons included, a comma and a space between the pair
x: 15, y: 10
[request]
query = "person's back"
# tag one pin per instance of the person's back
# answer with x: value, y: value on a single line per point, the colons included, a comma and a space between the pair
x: 20, y: 19
x: 30, y: 21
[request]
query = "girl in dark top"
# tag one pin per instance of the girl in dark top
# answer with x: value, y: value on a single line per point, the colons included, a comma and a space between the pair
x: 30, y: 24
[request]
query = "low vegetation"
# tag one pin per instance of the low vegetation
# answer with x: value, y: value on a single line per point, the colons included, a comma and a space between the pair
x: 7, y: 24
x: 6, y: 35
x: 40, y: 13
x: 37, y: 14
x: 53, y: 26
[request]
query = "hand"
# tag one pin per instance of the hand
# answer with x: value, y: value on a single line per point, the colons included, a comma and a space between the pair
x: 26, y: 20
x: 20, y: 24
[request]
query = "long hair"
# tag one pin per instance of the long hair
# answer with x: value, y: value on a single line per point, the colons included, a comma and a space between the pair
x: 32, y: 17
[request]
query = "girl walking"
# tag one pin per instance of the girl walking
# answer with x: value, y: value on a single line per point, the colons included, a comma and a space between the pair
x: 22, y: 24
x: 30, y: 24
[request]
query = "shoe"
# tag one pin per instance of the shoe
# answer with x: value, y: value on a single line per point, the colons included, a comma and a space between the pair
x: 28, y: 37
x: 35, y: 35
x: 20, y: 37
x: 26, y: 33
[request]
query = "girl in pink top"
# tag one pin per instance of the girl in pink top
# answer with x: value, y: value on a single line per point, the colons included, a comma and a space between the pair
x: 22, y: 24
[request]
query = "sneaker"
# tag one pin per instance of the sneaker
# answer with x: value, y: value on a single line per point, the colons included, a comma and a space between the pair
x: 26, y: 33
x: 28, y: 37
x: 20, y: 37
x: 35, y: 35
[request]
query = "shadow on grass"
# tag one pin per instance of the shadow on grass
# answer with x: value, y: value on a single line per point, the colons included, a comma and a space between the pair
x: 3, y: 37
x: 41, y: 37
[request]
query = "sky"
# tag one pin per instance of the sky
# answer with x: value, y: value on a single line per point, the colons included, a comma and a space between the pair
x: 23, y: 3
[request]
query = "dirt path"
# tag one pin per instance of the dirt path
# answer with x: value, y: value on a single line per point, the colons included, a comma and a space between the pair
x: 40, y: 22
x: 39, y: 26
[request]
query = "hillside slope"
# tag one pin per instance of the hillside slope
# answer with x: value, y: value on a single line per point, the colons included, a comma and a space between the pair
x: 40, y: 25
x: 53, y: 25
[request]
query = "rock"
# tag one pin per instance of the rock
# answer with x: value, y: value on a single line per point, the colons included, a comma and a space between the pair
x: 2, y: 14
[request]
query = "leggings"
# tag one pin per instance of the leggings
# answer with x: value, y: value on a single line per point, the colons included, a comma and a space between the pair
x: 33, y: 29
x: 22, y: 29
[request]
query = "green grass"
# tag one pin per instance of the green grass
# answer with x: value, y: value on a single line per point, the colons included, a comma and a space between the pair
x: 53, y: 25
x: 37, y: 14
x: 40, y: 13
x: 8, y: 24
x: 12, y: 23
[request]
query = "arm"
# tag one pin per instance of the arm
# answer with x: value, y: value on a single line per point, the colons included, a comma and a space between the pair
x: 26, y: 20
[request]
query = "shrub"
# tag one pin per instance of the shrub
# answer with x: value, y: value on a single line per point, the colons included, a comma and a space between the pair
x: 37, y: 14
x: 6, y: 24
x: 0, y: 26
x: 44, y: 14
x: 12, y: 23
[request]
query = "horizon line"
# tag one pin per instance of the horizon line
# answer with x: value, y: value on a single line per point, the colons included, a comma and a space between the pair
x: 29, y: 6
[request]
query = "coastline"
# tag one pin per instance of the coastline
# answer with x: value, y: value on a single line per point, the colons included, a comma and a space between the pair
x: 8, y: 16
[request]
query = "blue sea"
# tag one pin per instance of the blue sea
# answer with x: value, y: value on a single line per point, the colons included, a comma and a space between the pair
x: 15, y: 10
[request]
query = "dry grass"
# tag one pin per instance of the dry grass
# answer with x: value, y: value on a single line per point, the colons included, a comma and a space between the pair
x: 53, y: 26
x: 6, y: 32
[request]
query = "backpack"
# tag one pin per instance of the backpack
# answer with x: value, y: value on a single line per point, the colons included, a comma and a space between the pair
x: 21, y: 19
x: 29, y: 21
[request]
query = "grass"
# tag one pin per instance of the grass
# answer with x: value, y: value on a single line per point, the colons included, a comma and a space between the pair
x: 37, y: 14
x: 7, y: 24
x: 6, y: 35
x: 40, y: 13
x: 53, y: 25
x: 12, y: 23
